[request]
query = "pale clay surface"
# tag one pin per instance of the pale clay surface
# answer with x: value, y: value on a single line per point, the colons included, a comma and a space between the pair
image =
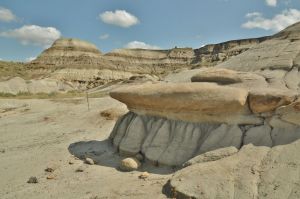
x: 38, y: 133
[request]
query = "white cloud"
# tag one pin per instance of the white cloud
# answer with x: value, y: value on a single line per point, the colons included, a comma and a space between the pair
x: 6, y: 15
x: 272, y: 3
x: 34, y: 35
x: 253, y: 14
x: 277, y: 23
x: 1, y: 59
x: 29, y: 59
x: 119, y: 18
x: 140, y: 45
x: 103, y: 37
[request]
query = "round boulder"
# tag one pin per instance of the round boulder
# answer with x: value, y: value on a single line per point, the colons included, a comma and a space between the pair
x: 129, y: 164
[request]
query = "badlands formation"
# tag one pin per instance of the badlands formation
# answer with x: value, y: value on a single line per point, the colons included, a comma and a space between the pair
x: 73, y: 64
x: 234, y: 129
x: 221, y: 121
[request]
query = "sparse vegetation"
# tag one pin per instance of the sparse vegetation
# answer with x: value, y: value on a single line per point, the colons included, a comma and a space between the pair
x: 12, y: 69
x: 9, y: 69
x: 112, y: 113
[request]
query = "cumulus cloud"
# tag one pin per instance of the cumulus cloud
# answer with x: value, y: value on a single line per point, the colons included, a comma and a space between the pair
x: 6, y: 15
x: 119, y: 18
x: 277, y: 23
x: 33, y: 35
x: 103, y: 37
x: 140, y: 45
x: 29, y: 59
x: 272, y: 3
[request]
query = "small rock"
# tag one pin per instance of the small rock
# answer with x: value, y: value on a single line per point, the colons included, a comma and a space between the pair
x: 144, y: 175
x: 49, y: 169
x: 71, y: 162
x: 139, y: 156
x: 32, y: 179
x: 130, y: 164
x: 50, y: 177
x: 2, y: 150
x: 89, y: 161
x: 76, y: 158
x: 80, y: 169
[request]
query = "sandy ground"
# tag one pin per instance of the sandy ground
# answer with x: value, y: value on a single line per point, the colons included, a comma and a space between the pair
x: 36, y: 134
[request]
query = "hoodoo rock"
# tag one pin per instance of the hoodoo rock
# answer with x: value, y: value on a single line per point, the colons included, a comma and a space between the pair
x: 170, y: 123
x: 233, y: 130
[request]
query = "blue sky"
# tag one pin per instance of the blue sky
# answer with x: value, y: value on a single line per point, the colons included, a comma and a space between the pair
x: 28, y: 27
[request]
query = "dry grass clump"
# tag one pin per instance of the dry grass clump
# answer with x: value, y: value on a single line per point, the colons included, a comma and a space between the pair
x: 112, y: 113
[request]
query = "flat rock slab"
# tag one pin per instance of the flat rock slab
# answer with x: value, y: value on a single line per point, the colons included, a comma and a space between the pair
x: 219, y: 75
x: 193, y: 102
x: 225, y: 76
x: 176, y: 97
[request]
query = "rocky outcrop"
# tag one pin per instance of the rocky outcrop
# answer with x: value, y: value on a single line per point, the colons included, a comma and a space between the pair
x: 253, y: 172
x: 279, y: 53
x: 214, y: 54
